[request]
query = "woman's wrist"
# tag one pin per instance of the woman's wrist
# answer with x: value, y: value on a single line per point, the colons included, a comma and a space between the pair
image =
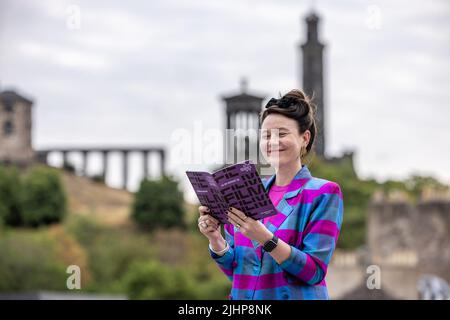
x: 221, y: 252
x: 264, y: 237
x: 218, y: 246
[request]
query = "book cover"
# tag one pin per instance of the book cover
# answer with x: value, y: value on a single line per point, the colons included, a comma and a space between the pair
x: 238, y: 186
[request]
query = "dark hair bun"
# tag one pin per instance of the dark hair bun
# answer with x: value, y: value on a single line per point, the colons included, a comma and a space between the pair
x: 302, y: 99
x: 295, y: 93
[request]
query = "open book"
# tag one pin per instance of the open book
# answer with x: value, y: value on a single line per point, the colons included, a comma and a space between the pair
x: 237, y: 186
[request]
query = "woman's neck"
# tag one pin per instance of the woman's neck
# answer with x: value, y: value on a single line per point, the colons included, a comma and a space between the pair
x: 285, y: 174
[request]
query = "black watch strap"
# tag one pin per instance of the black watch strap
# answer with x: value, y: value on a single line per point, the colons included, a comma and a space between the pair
x: 271, y: 244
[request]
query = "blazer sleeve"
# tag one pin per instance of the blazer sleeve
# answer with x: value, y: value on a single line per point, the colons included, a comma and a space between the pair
x: 226, y: 262
x: 310, y: 260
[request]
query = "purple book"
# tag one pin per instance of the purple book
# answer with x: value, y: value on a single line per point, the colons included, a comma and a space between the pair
x: 237, y: 186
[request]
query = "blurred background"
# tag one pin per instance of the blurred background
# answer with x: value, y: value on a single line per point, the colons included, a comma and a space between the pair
x: 104, y: 105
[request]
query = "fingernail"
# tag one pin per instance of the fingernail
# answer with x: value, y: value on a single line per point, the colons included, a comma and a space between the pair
x: 207, y: 209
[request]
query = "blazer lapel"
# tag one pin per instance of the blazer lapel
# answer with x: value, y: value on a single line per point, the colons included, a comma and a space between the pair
x: 283, y: 207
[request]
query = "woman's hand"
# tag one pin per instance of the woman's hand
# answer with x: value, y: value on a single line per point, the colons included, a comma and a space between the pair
x: 208, y: 225
x: 249, y: 227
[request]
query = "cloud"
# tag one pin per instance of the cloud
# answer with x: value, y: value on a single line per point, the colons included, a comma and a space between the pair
x: 65, y: 57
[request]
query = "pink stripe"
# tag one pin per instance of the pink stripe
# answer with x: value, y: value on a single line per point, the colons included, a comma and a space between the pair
x: 230, y: 229
x: 289, y: 236
x: 265, y: 281
x: 309, y: 269
x: 243, y: 281
x: 259, y: 252
x: 271, y: 280
x: 296, y: 184
x: 325, y: 227
x: 308, y: 195
x: 243, y: 241
x: 277, y: 219
x: 228, y: 272
x: 321, y: 264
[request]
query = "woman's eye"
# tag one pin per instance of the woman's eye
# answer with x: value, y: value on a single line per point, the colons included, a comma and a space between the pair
x: 267, y: 136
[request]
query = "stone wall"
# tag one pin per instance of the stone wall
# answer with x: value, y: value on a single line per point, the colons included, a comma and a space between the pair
x: 16, y: 147
x: 413, y: 236
x: 406, y: 241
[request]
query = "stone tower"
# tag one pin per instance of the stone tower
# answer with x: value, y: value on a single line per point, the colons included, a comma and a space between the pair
x: 242, y: 117
x: 15, y: 129
x: 312, y: 82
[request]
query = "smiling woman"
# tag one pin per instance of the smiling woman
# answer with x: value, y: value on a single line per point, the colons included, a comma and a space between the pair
x: 284, y: 256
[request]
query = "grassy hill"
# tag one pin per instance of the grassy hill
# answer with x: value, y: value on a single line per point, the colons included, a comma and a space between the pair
x: 108, y: 205
x: 86, y: 197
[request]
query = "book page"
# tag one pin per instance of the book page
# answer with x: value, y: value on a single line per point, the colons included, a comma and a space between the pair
x: 208, y: 194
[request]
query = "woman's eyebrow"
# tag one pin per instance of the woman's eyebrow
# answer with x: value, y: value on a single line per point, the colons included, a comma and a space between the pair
x: 280, y: 128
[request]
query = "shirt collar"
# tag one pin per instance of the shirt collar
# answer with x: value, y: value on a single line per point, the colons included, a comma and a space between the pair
x: 295, y: 185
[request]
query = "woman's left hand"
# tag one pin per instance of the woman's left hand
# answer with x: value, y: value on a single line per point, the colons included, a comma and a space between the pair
x: 249, y: 227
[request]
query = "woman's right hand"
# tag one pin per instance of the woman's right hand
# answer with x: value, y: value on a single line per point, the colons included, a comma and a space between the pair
x: 209, y: 226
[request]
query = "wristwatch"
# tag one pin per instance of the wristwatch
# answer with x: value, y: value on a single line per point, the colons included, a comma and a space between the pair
x: 271, y: 244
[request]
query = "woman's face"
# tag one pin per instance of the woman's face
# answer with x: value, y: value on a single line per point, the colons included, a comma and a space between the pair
x: 280, y: 141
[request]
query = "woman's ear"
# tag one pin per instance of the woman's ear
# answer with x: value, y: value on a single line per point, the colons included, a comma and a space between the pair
x: 307, y: 137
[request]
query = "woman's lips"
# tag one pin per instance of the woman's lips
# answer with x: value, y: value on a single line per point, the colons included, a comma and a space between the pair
x: 279, y: 150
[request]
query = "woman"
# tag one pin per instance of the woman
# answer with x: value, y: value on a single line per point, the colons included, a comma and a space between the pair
x: 284, y: 256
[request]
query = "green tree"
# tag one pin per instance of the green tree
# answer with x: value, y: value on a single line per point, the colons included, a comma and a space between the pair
x: 10, y: 200
x: 44, y: 198
x: 416, y: 185
x: 158, y: 204
x: 154, y: 280
x: 28, y: 262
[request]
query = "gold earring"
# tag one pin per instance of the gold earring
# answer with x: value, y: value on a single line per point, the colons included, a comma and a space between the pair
x: 303, y: 153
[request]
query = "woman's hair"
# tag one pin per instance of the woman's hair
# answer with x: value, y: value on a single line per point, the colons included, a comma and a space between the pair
x: 298, y: 106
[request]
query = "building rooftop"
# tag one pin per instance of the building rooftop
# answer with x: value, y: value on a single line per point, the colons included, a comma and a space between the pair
x: 9, y: 97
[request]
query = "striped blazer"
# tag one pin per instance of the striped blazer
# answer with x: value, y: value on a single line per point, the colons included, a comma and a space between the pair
x: 309, y: 220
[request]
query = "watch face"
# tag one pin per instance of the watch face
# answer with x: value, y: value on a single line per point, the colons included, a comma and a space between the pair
x: 271, y: 244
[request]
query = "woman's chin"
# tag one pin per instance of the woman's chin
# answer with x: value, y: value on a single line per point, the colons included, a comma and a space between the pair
x: 276, y: 161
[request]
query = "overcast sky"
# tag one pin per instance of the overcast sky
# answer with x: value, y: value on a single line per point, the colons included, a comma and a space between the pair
x: 134, y: 72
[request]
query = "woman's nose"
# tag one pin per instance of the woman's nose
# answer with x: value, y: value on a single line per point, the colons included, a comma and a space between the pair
x: 274, y: 142
x: 272, y: 147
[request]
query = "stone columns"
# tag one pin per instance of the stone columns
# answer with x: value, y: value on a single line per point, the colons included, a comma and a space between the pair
x: 84, y: 164
x: 145, y: 164
x: 125, y: 168
x: 163, y: 162
x: 42, y: 157
x: 105, y: 164
x: 65, y: 160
